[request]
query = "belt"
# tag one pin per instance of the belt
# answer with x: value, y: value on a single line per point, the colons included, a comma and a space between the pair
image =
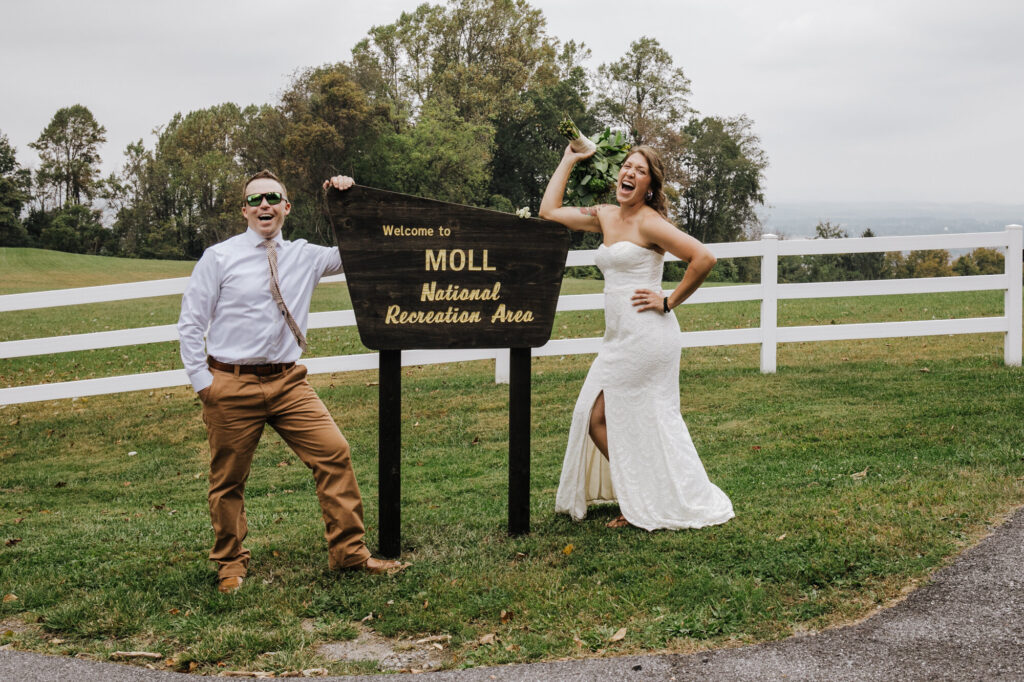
x: 259, y: 370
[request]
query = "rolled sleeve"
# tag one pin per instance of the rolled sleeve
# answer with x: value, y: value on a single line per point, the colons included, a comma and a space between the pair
x: 330, y: 261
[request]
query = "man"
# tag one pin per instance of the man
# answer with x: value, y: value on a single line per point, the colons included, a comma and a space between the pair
x: 250, y: 295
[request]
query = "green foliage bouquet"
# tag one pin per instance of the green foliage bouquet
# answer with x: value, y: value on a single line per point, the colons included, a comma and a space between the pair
x: 593, y: 178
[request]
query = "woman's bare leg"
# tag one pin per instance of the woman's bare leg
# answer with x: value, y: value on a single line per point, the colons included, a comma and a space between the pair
x: 598, y: 425
x: 599, y: 434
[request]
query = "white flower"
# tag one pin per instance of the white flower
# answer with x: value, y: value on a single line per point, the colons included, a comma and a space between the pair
x: 523, y: 212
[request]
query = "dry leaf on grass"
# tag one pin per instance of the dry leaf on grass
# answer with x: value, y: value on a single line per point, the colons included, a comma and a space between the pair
x: 567, y: 550
x: 506, y: 616
x: 619, y: 635
x: 8, y: 598
x: 489, y: 638
x: 860, y: 474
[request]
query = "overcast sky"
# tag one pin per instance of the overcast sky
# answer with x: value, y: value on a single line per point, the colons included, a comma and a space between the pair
x: 873, y: 100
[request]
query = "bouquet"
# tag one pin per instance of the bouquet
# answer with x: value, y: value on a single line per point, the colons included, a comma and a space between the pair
x: 594, y: 177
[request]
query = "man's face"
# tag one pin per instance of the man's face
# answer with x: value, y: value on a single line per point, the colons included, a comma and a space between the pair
x: 265, y: 219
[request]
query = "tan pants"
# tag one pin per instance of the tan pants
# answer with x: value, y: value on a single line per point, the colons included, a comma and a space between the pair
x: 235, y: 411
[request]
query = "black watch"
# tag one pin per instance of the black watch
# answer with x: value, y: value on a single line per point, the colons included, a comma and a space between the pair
x: 664, y: 304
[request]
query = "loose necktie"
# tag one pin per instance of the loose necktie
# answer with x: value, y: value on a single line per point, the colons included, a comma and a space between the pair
x: 275, y: 291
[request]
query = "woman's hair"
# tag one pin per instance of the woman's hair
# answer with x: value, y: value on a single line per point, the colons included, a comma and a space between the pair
x: 657, y: 174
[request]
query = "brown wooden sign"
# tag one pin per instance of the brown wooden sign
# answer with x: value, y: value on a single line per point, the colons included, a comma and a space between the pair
x: 430, y: 274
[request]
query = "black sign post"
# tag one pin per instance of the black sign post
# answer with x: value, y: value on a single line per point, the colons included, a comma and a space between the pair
x: 427, y: 274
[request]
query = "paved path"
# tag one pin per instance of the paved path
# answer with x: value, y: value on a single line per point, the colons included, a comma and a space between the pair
x: 967, y: 624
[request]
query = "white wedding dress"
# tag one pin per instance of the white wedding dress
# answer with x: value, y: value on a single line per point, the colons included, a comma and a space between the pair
x: 654, y: 472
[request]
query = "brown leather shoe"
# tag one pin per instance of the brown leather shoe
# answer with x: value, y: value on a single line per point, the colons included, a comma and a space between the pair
x: 230, y: 584
x: 379, y: 566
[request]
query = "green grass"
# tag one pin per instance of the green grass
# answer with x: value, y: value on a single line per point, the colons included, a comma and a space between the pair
x: 111, y: 546
x: 40, y: 270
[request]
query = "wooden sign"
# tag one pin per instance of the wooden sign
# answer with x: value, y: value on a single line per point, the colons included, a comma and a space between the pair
x: 430, y: 274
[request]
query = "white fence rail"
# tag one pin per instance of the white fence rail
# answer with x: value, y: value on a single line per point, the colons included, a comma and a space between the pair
x: 768, y: 334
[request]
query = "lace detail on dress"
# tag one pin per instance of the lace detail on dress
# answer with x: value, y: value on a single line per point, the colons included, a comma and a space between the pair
x: 654, y: 471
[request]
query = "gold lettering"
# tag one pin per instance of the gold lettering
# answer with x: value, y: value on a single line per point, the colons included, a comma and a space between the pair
x: 453, y: 292
x: 485, y: 262
x: 438, y: 262
x: 453, y: 315
x: 462, y: 259
x: 504, y: 315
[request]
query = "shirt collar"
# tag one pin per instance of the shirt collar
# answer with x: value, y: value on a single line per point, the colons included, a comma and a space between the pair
x: 255, y: 239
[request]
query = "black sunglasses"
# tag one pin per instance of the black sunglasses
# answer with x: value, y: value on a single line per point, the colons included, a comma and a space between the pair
x: 273, y: 198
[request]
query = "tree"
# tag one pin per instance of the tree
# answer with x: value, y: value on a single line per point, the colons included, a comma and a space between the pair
x: 69, y: 150
x: 724, y: 168
x: 443, y: 156
x: 77, y: 229
x: 493, y: 62
x: 644, y: 93
x: 527, y: 147
x: 327, y: 125
x: 15, y: 182
x: 981, y: 261
x: 870, y: 266
x: 990, y: 261
x: 481, y: 54
x: 184, y: 195
x: 930, y: 263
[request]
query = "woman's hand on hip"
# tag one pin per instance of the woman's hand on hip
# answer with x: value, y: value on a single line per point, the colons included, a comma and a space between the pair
x: 645, y: 299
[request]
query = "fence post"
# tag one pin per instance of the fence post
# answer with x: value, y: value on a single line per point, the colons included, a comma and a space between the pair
x: 1012, y: 299
x: 769, y: 301
x: 501, y: 366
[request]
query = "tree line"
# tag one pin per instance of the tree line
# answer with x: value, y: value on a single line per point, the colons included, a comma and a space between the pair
x: 459, y: 102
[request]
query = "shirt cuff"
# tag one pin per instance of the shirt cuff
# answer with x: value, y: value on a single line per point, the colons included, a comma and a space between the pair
x: 201, y: 379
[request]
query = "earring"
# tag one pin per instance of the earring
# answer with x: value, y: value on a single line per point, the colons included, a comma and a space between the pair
x: 649, y: 195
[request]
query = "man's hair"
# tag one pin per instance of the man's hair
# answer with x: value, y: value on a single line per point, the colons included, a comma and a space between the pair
x: 260, y: 176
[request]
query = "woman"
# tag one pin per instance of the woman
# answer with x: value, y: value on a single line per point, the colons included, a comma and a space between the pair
x: 628, y: 440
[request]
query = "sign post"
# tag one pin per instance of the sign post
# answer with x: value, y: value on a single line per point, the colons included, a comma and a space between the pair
x: 427, y: 274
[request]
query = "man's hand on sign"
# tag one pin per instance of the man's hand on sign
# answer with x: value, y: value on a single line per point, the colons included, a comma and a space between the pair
x: 342, y: 182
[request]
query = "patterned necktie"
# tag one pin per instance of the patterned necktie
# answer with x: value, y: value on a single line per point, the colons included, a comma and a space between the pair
x: 275, y: 291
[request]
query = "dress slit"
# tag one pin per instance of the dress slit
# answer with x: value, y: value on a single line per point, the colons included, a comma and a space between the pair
x: 653, y: 471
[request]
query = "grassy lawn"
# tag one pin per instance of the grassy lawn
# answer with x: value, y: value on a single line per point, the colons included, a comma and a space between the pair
x: 855, y: 471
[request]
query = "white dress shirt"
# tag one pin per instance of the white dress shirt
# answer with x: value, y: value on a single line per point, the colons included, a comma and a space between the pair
x: 228, y: 299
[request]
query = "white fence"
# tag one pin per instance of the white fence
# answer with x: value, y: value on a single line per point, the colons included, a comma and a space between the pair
x: 768, y: 334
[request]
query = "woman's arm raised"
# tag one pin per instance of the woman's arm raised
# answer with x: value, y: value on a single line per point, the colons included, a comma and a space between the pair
x: 575, y: 218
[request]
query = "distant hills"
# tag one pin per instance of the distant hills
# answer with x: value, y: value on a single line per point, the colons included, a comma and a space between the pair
x: 798, y: 220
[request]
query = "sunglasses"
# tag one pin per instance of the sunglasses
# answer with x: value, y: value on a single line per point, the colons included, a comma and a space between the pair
x: 273, y: 198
